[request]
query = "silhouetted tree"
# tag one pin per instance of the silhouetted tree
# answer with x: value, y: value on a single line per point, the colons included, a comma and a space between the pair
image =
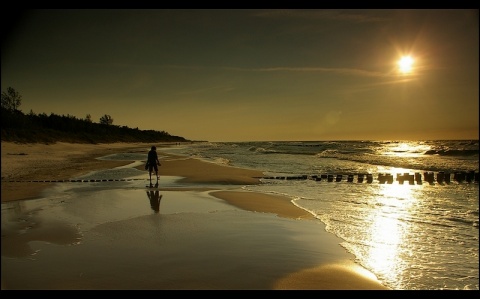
x: 11, y: 99
x: 106, y: 120
x: 88, y: 118
x: 19, y: 127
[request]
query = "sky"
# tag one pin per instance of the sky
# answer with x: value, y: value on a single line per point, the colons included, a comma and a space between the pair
x: 230, y: 75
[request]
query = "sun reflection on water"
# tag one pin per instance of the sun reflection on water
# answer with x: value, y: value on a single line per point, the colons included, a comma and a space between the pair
x: 388, y: 230
x: 406, y: 149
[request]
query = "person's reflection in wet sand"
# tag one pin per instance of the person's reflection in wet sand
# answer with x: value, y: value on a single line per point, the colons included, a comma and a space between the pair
x: 155, y: 198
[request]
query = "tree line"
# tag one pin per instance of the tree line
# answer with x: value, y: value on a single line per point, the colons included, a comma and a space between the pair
x: 42, y: 128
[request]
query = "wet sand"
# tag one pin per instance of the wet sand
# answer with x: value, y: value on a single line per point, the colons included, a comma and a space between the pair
x: 200, y: 231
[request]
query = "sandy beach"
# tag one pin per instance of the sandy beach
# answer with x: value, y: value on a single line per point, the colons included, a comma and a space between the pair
x: 211, y: 237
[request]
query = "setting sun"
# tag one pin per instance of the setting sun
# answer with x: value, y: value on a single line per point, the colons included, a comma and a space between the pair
x: 405, y: 64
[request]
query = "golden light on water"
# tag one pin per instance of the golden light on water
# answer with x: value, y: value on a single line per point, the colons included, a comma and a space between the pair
x: 388, y: 231
x: 406, y: 149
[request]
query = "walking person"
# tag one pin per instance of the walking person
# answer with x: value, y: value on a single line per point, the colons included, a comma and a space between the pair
x: 152, y: 164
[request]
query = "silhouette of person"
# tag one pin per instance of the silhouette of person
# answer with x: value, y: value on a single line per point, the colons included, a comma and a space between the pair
x: 155, y: 198
x: 153, y: 163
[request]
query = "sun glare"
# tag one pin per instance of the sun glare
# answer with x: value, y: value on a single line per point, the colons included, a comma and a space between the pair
x: 406, y: 64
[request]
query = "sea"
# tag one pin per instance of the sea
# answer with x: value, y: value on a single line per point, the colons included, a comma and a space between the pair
x: 407, y: 210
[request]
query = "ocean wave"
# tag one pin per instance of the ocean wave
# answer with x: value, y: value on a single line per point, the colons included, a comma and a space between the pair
x: 463, y: 220
x: 451, y: 166
x: 262, y: 150
x: 222, y: 161
x: 329, y: 153
x: 455, y: 153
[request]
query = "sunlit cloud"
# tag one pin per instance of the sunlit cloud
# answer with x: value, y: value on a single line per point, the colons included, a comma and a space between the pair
x: 346, y: 71
x: 392, y: 74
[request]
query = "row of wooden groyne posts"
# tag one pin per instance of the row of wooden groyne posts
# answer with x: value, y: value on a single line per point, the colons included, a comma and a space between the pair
x: 440, y: 177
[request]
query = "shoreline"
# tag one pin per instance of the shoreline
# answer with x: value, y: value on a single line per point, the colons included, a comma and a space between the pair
x: 63, y: 161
